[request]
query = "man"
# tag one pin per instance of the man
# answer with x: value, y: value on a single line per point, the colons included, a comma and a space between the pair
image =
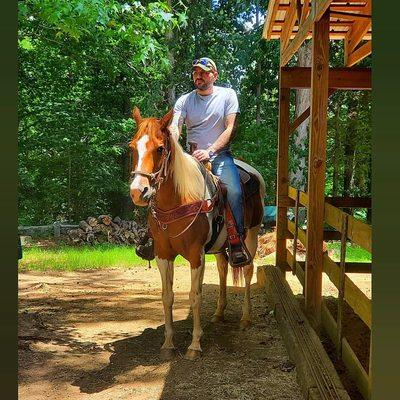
x: 210, y: 113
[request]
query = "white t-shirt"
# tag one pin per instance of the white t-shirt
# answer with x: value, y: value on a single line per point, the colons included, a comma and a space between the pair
x: 205, y: 115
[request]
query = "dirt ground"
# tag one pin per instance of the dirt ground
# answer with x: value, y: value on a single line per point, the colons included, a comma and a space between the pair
x: 96, y: 335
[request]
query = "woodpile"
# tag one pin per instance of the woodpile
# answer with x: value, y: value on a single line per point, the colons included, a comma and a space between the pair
x: 105, y: 229
x: 267, y: 246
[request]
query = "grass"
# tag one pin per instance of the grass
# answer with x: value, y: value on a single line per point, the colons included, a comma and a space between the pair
x: 353, y: 253
x: 66, y: 258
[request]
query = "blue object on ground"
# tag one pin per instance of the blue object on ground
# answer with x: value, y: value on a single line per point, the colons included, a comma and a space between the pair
x: 269, y: 215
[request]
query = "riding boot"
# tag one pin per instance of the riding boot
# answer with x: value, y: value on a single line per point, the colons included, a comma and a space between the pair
x: 239, y: 255
x: 145, y: 247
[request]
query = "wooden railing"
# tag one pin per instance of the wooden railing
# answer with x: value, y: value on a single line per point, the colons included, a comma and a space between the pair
x: 358, y: 232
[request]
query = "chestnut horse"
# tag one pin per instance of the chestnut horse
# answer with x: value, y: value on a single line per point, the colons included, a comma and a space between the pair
x: 164, y: 177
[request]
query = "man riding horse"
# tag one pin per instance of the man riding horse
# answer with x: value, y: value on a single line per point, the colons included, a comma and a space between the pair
x: 210, y: 115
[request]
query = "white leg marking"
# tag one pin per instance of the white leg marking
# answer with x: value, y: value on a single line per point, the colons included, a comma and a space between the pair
x: 197, y: 275
x: 251, y: 243
x: 141, y: 148
x: 166, y: 269
x: 222, y: 265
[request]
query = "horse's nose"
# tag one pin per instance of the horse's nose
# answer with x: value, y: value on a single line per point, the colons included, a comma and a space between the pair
x: 146, y: 194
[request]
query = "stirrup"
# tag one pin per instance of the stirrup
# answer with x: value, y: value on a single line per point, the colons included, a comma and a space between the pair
x: 245, y: 260
x: 145, y: 248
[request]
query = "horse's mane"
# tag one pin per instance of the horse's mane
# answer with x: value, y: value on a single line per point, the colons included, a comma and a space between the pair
x: 187, y: 177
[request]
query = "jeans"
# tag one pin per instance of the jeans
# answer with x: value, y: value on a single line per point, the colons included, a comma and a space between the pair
x: 224, y: 167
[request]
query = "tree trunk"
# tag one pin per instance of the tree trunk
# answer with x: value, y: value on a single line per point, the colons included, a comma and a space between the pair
x: 298, y: 177
x: 349, y: 149
x: 336, y: 151
x: 258, y: 88
x: 170, y: 93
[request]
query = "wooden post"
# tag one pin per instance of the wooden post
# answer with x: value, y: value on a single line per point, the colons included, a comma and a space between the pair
x: 342, y: 276
x: 282, y: 178
x: 316, y: 169
x: 296, y: 227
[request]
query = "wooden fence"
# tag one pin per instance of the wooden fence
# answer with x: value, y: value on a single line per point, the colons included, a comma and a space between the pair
x: 358, y: 232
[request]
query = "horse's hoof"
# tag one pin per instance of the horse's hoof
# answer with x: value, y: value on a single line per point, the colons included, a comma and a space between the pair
x: 217, y: 318
x: 245, y: 324
x: 192, y: 354
x: 167, y: 354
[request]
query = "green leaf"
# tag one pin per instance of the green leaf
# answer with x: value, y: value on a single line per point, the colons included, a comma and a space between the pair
x: 26, y: 43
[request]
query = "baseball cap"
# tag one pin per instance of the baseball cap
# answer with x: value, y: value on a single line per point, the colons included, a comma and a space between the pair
x: 205, y: 63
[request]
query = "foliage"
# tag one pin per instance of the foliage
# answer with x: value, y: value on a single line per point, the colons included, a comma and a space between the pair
x: 83, y: 64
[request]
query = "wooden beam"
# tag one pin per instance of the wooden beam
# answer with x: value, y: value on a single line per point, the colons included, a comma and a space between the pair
x: 282, y: 177
x: 333, y: 35
x: 357, y: 32
x: 355, y: 202
x: 294, y: 45
x: 334, y: 7
x: 271, y: 13
x: 316, y: 168
x: 350, y: 267
x: 350, y: 16
x: 303, y: 116
x: 290, y: 19
x: 353, y: 295
x: 331, y: 24
x: 304, y: 11
x: 299, y: 271
x: 358, y: 232
x: 359, y: 54
x: 338, y: 78
x: 353, y: 365
x: 316, y: 374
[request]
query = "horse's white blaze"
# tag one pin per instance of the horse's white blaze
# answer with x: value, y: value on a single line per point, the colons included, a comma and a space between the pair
x: 141, y: 149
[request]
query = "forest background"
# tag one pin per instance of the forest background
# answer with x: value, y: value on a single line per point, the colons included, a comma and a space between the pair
x: 83, y: 65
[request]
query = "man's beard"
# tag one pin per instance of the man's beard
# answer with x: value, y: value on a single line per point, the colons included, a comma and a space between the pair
x: 202, y: 85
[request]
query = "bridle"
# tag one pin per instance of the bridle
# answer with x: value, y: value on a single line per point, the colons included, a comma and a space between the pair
x: 156, y: 179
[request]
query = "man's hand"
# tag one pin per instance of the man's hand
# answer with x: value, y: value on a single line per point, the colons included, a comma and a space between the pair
x: 201, y: 155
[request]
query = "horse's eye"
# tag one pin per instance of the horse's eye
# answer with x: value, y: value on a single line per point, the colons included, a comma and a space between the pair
x: 160, y: 149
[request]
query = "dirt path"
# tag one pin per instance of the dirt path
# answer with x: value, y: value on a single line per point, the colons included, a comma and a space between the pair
x: 96, y: 335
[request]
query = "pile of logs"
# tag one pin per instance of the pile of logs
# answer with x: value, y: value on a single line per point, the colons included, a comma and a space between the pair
x: 267, y: 246
x: 104, y: 229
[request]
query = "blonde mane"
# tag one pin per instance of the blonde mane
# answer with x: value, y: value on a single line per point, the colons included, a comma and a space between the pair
x: 188, y: 179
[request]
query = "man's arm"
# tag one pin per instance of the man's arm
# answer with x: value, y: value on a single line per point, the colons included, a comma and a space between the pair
x: 223, y: 140
x: 176, y: 127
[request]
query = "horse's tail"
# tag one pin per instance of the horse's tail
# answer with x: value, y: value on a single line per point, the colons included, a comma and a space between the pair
x: 237, y: 276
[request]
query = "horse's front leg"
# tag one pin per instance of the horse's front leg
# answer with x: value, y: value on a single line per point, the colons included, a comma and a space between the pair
x: 197, y: 274
x: 251, y: 244
x: 166, y: 268
x: 222, y: 265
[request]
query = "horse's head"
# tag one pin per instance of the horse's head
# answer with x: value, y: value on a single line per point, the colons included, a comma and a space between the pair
x: 150, y: 146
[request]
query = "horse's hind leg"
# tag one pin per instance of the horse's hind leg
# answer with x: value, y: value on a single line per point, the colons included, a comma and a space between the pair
x: 222, y: 265
x: 251, y: 244
x: 197, y: 274
x: 166, y: 268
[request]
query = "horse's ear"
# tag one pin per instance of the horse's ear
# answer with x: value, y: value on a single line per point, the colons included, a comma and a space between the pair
x: 166, y: 119
x: 137, y: 116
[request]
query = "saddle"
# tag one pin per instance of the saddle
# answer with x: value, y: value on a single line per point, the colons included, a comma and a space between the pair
x: 216, y: 205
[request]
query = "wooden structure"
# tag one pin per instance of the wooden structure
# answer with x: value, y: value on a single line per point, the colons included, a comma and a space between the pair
x: 294, y: 21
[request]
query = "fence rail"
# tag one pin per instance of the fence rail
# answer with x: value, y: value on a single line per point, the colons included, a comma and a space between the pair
x: 347, y: 228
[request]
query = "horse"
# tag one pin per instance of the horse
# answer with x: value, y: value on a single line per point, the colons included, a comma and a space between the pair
x: 166, y: 179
